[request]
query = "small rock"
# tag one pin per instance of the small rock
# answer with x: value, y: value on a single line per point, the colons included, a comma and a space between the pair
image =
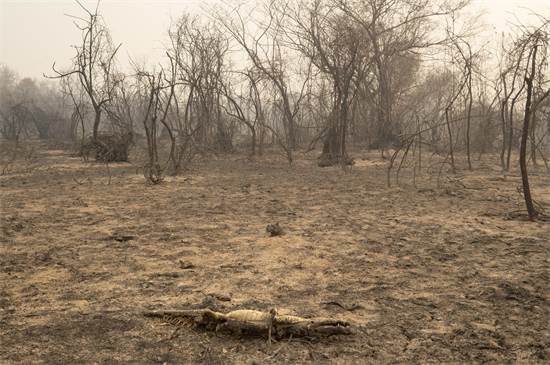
x: 186, y: 265
x: 274, y: 230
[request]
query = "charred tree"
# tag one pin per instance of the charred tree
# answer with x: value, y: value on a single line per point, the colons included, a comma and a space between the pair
x: 525, y: 136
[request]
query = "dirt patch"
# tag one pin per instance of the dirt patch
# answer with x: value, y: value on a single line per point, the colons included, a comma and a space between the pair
x: 436, y: 272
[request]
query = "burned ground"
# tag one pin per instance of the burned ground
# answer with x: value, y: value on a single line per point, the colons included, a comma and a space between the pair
x: 434, y: 273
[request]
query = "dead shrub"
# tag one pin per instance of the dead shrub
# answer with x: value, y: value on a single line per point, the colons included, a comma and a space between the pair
x: 17, y: 157
x: 107, y: 147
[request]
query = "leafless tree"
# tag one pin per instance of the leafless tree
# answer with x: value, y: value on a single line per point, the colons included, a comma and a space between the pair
x: 395, y: 28
x: 265, y: 52
x: 14, y: 114
x: 80, y: 108
x: 334, y: 43
x: 198, y: 53
x: 94, y: 62
x: 239, y: 106
x: 536, y: 44
x: 152, y: 87
x: 463, y: 56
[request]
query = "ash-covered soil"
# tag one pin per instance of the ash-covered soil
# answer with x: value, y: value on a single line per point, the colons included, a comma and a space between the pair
x: 442, y: 272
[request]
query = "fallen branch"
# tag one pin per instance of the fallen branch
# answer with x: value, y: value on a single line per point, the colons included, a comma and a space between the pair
x: 349, y: 307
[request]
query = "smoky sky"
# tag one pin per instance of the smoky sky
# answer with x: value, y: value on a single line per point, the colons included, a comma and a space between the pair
x: 35, y: 33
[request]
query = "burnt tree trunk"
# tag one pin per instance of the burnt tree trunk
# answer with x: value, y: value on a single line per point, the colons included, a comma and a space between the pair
x: 533, y: 137
x: 511, y: 130
x: 334, y: 146
x: 450, y: 133
x: 504, y: 123
x: 331, y: 148
x: 253, y: 142
x: 97, y: 122
x: 524, y: 138
x: 469, y: 119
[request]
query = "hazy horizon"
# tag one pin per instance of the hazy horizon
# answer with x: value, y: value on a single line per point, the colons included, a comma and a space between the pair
x: 35, y: 33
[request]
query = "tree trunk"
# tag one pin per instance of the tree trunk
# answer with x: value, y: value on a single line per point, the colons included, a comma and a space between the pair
x: 97, y: 122
x: 503, y: 114
x: 331, y: 148
x: 511, y: 131
x: 533, y: 127
x: 469, y: 121
x: 524, y: 138
x: 334, y: 147
x: 253, y: 146
x: 261, y: 141
x: 451, y: 143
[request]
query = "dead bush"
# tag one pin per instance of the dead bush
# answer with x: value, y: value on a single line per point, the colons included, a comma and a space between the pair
x: 17, y: 157
x: 107, y: 147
